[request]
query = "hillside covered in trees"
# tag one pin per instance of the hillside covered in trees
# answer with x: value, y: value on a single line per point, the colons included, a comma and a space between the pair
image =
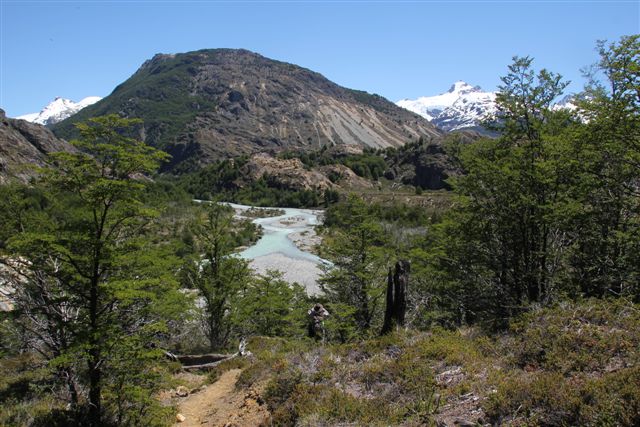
x: 520, y: 286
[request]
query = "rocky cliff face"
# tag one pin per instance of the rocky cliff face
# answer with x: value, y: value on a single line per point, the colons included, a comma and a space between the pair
x: 291, y: 174
x: 23, y: 145
x: 208, y: 104
x: 426, y: 164
x: 287, y: 173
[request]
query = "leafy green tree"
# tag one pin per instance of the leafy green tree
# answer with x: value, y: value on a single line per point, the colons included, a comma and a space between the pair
x: 607, y: 240
x: 501, y: 246
x: 270, y: 306
x: 551, y: 207
x: 359, y: 256
x: 215, y: 272
x: 92, y: 283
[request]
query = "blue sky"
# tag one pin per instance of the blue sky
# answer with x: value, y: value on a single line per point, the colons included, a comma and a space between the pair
x: 399, y: 50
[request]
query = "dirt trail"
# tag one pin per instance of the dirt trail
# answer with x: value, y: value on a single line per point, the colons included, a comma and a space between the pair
x: 221, y: 405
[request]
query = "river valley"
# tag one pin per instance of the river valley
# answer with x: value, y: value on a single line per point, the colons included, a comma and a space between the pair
x: 286, y: 245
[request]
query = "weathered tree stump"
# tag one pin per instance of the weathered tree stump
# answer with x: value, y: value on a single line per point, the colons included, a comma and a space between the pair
x: 396, y: 307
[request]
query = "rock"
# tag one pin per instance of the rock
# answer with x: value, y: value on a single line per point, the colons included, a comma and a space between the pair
x: 180, y: 418
x: 292, y: 174
x: 286, y: 173
x: 182, y: 391
x: 426, y: 164
x: 23, y: 145
x: 464, y: 423
x: 344, y: 177
x: 247, y: 104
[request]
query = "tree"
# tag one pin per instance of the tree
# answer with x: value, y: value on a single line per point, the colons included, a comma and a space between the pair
x: 396, y: 301
x: 91, y: 281
x: 215, y: 272
x: 550, y: 208
x: 270, y: 306
x: 501, y: 245
x: 605, y: 254
x: 357, y: 251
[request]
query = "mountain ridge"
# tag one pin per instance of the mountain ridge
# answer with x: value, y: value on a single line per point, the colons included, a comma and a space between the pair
x: 24, y: 145
x: 203, y: 105
x: 464, y: 107
x: 58, y: 110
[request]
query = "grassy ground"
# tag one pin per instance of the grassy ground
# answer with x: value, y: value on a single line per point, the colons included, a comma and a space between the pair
x: 575, y: 364
x: 387, y: 191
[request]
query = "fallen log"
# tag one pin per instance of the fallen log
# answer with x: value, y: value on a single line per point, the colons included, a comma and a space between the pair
x: 199, y: 359
x: 208, y: 365
x: 203, y: 361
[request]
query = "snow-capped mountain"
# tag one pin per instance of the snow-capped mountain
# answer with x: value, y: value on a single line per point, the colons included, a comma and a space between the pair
x: 58, y: 110
x: 463, y: 106
x: 566, y: 103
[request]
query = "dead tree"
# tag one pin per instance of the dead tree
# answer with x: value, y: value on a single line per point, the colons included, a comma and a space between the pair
x: 206, y: 361
x: 396, y: 308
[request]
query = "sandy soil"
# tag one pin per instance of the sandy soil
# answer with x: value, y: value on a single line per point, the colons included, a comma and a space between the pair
x: 221, y: 405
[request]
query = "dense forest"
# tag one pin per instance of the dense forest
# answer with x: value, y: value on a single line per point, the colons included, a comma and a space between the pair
x: 522, y: 303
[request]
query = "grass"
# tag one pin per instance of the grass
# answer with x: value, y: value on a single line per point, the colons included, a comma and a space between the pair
x: 574, y: 364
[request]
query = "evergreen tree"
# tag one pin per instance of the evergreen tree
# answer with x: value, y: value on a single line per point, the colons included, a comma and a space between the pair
x: 215, y: 272
x: 270, y: 306
x: 359, y: 256
x: 501, y: 245
x: 551, y: 207
x: 93, y: 291
x: 606, y: 256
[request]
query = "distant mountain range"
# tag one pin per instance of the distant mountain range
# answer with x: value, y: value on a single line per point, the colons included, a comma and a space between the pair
x: 58, y: 110
x: 463, y: 106
x: 219, y: 103
x: 204, y: 105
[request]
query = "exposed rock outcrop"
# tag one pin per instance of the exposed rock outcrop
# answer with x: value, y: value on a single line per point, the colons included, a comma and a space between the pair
x: 24, y: 145
x: 292, y: 174
x: 286, y: 173
x: 427, y: 164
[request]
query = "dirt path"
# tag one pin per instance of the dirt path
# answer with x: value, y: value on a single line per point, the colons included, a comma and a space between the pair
x: 221, y: 405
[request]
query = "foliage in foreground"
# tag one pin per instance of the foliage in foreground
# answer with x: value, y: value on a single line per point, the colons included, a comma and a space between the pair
x: 93, y: 293
x: 550, y: 209
x: 576, y: 364
x: 584, y: 371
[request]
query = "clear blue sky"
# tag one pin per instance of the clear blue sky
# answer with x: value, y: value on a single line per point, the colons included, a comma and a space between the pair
x: 399, y: 50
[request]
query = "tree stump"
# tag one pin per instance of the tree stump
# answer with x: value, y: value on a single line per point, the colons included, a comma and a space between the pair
x: 396, y: 307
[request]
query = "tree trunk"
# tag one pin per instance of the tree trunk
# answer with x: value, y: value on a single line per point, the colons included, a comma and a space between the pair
x: 95, y: 374
x: 388, y: 312
x: 400, y: 282
x: 396, y: 297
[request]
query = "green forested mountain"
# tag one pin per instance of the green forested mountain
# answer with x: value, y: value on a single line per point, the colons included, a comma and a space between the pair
x: 203, y: 105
